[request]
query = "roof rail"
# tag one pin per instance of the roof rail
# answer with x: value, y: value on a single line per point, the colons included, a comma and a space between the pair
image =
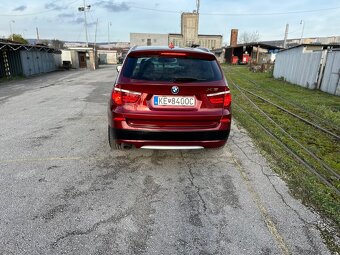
x: 134, y: 47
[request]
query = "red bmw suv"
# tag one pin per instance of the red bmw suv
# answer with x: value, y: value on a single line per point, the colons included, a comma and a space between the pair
x: 169, y: 98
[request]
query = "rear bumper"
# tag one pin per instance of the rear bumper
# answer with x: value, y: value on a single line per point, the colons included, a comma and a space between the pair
x: 139, y: 138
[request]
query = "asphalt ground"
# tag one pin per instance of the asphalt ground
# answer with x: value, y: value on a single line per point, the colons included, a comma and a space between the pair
x: 63, y: 191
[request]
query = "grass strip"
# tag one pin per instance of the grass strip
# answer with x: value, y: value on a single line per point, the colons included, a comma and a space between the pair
x: 303, y: 184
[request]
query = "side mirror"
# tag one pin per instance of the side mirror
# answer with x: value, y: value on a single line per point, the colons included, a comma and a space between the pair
x: 119, y: 68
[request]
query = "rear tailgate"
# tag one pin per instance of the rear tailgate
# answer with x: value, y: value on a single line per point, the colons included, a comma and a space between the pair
x: 177, y: 89
x: 150, y: 114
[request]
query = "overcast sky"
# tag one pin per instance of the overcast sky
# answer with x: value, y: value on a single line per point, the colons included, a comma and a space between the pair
x: 61, y: 19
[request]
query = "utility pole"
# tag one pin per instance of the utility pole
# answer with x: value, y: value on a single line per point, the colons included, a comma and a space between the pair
x: 286, y: 36
x: 95, y: 36
x: 23, y: 33
x: 87, y: 39
x: 198, y: 6
x: 108, y: 33
x: 94, y: 48
x: 84, y: 9
x: 38, y: 39
x: 10, y: 28
x: 303, y: 28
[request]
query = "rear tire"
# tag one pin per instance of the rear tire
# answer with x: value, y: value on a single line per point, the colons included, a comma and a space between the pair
x: 112, y: 142
x: 114, y: 145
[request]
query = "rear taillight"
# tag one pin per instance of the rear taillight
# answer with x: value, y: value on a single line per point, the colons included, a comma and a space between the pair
x: 122, y: 96
x: 220, y: 98
x: 227, y: 100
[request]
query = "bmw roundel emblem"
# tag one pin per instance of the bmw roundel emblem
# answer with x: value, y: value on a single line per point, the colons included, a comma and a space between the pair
x: 175, y: 90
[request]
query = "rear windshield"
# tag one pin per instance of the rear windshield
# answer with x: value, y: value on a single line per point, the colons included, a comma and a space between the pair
x: 154, y: 68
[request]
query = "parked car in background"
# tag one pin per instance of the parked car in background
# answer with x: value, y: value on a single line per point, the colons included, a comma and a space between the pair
x: 167, y: 98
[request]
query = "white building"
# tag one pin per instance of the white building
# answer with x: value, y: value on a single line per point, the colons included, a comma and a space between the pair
x: 189, y: 35
x: 148, y: 39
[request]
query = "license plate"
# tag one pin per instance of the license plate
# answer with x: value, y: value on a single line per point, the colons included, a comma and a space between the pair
x: 173, y: 101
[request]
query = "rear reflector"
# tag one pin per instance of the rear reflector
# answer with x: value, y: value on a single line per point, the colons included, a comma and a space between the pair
x: 225, y: 120
x: 119, y: 119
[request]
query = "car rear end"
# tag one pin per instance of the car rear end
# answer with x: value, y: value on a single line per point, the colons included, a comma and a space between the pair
x: 170, y: 98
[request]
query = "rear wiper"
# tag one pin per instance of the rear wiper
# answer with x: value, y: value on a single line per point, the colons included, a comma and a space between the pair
x: 186, y: 79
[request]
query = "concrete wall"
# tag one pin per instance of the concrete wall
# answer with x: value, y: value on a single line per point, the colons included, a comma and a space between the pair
x: 219, y: 54
x: 322, y: 40
x: 189, y: 28
x: 74, y: 59
x: 176, y: 39
x: 142, y: 39
x: 107, y: 56
x: 206, y: 41
x: 210, y: 42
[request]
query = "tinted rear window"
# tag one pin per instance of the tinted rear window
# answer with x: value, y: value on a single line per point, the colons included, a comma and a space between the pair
x: 154, y: 68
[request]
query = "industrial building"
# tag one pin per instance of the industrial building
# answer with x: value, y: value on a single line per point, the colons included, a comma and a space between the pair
x: 188, y: 37
x: 189, y: 34
x: 107, y: 57
x: 244, y: 53
x: 312, y: 40
x: 148, y: 39
x: 80, y: 57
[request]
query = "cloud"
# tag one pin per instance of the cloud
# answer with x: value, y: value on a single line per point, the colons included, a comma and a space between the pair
x: 53, y: 6
x: 20, y: 8
x: 113, y: 7
x: 66, y: 15
x: 80, y: 20
x: 91, y: 24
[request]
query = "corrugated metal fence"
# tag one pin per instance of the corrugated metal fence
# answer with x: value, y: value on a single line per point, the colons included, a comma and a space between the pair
x: 19, y: 59
x: 10, y: 64
x: 313, y: 69
x: 35, y: 62
x: 331, y: 76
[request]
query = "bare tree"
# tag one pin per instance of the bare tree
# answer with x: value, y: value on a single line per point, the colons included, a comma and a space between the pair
x: 249, y: 37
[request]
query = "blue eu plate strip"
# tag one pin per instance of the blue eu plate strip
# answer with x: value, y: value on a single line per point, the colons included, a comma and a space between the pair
x: 155, y: 100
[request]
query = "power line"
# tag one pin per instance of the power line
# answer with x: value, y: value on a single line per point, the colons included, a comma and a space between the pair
x: 241, y: 14
x: 156, y: 10
x: 202, y: 13
x: 273, y: 13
